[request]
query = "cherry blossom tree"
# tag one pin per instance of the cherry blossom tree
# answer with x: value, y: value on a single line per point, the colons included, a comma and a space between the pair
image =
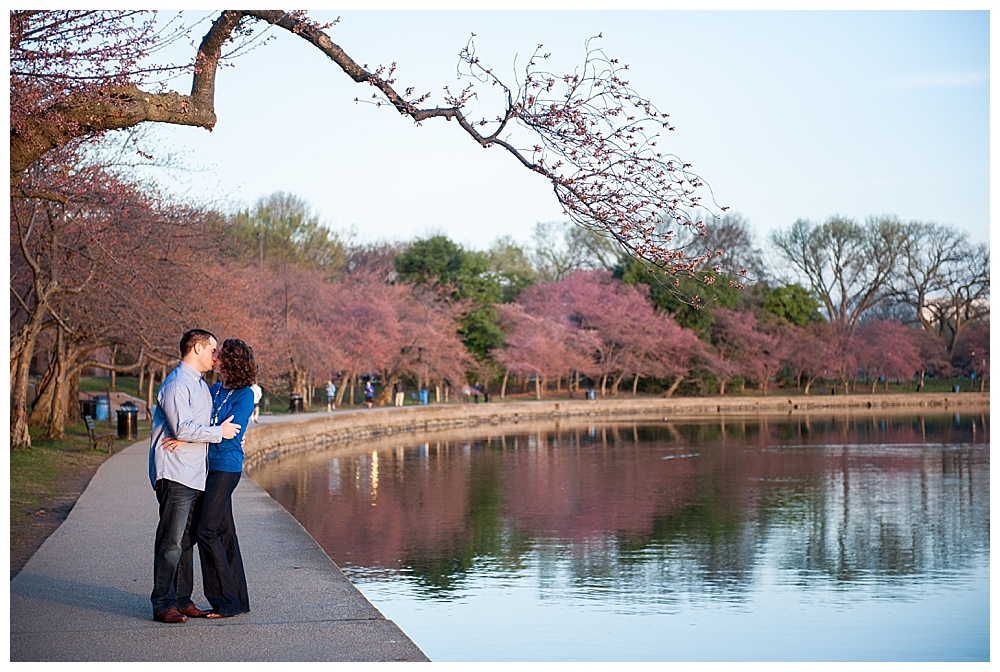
x: 614, y: 324
x: 541, y: 346
x: 741, y: 348
x: 811, y: 352
x: 884, y: 348
x: 96, y: 258
x: 972, y: 352
x: 430, y: 348
x: 395, y: 330
x: 933, y: 356
x: 661, y: 348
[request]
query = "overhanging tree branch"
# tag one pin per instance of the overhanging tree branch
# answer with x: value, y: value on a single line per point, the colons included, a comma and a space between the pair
x: 595, y: 139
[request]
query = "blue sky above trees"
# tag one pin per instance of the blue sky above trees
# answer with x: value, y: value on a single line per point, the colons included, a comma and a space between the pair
x: 787, y: 115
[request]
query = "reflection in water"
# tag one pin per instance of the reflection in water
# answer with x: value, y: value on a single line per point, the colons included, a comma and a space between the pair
x: 635, y: 523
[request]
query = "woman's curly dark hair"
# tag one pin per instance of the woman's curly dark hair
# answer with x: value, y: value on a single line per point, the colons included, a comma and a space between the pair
x: 237, y: 365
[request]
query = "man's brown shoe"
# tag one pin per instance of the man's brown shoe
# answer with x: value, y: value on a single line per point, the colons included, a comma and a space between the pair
x: 171, y: 615
x: 192, y: 611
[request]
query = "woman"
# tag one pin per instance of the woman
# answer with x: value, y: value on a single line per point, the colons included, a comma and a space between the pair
x: 223, y: 577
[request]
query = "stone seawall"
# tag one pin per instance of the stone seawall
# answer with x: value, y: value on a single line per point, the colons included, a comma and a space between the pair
x: 321, y: 431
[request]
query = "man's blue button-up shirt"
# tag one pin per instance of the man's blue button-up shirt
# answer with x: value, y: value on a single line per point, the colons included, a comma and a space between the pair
x: 184, y: 411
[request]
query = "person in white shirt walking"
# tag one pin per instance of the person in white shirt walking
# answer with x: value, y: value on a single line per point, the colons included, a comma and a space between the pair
x: 257, y: 395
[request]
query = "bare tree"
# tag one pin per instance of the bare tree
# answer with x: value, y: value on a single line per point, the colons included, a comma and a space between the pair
x: 944, y: 279
x: 561, y: 249
x: 731, y: 245
x: 848, y: 266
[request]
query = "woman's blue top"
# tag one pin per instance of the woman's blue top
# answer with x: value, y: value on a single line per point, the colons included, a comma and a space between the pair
x: 228, y: 454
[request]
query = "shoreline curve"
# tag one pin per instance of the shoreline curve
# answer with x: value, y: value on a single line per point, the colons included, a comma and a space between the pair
x: 321, y: 431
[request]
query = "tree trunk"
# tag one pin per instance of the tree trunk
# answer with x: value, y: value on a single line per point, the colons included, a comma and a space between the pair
x: 57, y: 413
x: 503, y: 387
x: 344, y: 382
x: 673, y: 386
x: 604, y: 381
x: 722, y: 387
x: 41, y: 410
x: 114, y: 375
x: 384, y: 397
x: 538, y: 387
x: 617, y: 383
x: 73, y: 394
x: 149, y: 392
x: 635, y: 385
x: 20, y: 439
x: 298, y: 378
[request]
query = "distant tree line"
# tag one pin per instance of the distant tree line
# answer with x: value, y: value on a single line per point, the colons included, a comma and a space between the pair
x: 111, y: 275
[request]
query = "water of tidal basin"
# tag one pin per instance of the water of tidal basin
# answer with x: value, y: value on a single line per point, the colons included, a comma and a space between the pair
x: 820, y: 539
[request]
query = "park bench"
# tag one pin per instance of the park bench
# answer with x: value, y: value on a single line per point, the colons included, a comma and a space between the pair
x: 95, y: 438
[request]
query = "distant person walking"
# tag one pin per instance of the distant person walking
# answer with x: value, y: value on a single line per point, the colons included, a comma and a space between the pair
x: 399, y: 393
x: 257, y: 395
x: 331, y: 395
x: 369, y: 394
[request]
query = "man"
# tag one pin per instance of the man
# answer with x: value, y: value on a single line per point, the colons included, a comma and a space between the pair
x: 399, y: 393
x: 184, y: 411
x: 331, y: 395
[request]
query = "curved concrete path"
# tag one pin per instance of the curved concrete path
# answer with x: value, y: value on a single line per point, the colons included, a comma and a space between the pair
x: 85, y: 594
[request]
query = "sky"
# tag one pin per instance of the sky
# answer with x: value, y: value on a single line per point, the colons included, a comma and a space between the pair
x: 786, y: 115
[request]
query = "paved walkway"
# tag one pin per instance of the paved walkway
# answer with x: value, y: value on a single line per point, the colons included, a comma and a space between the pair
x: 85, y: 594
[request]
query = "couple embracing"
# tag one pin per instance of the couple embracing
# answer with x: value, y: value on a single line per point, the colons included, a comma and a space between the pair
x: 195, y: 463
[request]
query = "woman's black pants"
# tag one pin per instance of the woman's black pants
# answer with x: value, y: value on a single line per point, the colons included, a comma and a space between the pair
x: 223, y: 577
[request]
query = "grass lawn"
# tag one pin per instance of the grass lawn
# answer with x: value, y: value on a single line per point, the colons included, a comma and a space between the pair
x: 122, y: 384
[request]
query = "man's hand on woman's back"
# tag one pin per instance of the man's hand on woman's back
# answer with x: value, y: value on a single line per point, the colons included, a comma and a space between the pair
x: 229, y: 428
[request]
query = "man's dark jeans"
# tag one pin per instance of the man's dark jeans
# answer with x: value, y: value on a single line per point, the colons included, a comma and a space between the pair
x: 173, y: 572
x: 224, y: 580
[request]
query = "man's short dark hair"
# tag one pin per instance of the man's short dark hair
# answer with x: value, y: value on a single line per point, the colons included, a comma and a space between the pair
x: 192, y: 338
